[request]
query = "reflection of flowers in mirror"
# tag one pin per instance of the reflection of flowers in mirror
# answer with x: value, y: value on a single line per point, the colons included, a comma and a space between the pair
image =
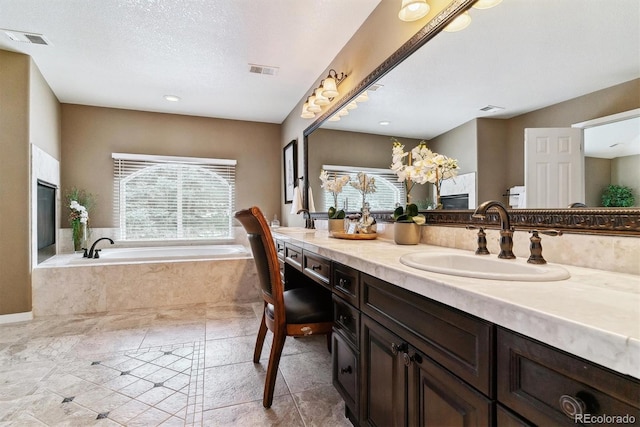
x: 334, y: 186
x: 365, y: 185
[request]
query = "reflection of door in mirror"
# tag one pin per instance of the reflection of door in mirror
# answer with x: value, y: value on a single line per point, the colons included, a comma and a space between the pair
x: 553, y: 168
x: 612, y: 154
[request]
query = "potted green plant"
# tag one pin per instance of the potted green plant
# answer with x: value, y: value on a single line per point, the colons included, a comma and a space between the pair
x: 617, y: 196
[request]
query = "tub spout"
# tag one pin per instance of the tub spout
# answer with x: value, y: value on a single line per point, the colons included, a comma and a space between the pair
x: 93, y: 252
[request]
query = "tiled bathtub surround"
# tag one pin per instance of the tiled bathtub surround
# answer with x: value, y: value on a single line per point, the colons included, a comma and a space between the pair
x: 113, y: 287
x: 180, y: 366
x: 610, y: 253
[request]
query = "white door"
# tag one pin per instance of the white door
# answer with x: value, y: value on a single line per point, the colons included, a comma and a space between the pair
x: 553, y: 167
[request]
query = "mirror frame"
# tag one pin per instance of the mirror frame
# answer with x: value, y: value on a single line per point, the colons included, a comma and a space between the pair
x: 610, y: 221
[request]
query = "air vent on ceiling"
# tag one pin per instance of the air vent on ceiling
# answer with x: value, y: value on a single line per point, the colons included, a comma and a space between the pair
x: 491, y: 109
x: 263, y: 69
x: 22, y: 37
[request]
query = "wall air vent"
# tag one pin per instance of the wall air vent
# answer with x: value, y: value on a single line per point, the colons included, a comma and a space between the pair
x: 22, y: 37
x: 263, y: 69
x: 491, y: 109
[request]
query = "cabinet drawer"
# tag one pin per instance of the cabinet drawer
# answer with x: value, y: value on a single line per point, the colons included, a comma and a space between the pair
x: 345, y: 371
x: 548, y: 386
x: 317, y: 268
x: 346, y: 320
x: 345, y: 283
x: 458, y: 341
x: 293, y: 256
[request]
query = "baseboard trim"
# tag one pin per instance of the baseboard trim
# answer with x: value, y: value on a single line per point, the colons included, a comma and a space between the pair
x: 16, y: 317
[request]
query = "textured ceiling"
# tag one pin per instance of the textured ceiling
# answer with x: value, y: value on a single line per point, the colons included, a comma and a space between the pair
x: 130, y: 53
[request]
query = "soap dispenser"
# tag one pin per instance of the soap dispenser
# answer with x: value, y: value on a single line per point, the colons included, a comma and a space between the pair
x: 274, y: 222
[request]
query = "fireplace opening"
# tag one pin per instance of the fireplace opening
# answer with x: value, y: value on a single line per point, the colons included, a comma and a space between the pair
x: 46, y: 220
x: 455, y: 201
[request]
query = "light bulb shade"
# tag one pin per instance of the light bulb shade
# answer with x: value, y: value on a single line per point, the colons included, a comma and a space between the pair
x: 461, y: 22
x: 334, y: 118
x: 412, y: 10
x: 352, y: 105
x: 329, y: 88
x: 320, y: 100
x: 363, y: 97
x: 306, y: 114
x: 486, y: 4
x: 312, y: 105
x: 343, y: 112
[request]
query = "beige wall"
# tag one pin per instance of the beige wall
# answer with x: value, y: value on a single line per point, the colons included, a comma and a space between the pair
x: 602, y: 103
x: 28, y: 113
x: 91, y: 134
x: 334, y: 147
x: 625, y: 171
x: 15, y: 286
x: 595, y: 181
x: 377, y: 39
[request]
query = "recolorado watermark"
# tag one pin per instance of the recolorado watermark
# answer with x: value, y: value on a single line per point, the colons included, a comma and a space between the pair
x: 604, y: 419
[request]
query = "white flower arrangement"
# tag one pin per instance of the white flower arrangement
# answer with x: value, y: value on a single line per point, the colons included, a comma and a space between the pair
x: 419, y: 166
x: 78, y: 212
x: 365, y: 185
x: 334, y: 186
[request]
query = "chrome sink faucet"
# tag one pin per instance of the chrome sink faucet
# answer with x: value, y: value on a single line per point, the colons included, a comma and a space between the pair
x: 93, y: 252
x: 506, y: 231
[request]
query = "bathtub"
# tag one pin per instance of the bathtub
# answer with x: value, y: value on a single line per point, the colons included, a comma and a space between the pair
x: 164, y: 253
x: 149, y: 277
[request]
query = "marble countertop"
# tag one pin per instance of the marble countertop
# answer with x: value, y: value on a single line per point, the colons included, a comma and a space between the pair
x: 594, y: 314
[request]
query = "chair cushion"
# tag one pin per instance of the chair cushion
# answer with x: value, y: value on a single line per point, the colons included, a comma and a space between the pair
x: 308, y: 304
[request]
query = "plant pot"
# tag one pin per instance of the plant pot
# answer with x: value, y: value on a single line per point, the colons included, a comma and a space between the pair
x: 406, y: 233
x: 336, y: 225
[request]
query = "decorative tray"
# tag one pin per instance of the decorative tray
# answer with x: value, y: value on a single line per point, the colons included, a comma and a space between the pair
x: 353, y: 236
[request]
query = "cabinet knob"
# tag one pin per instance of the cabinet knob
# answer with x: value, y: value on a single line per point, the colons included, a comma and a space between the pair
x: 293, y: 256
x: 316, y: 267
x: 398, y: 348
x: 343, y: 319
x: 408, y: 360
x: 572, y: 407
x: 343, y: 282
x: 346, y: 370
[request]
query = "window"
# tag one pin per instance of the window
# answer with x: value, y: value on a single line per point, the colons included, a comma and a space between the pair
x: 389, y: 192
x: 161, y: 197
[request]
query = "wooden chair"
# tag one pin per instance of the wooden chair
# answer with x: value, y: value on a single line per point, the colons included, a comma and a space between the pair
x: 302, y: 311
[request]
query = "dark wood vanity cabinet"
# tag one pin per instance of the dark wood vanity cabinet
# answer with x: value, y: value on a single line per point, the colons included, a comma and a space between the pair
x: 401, y: 359
x: 402, y: 383
x: 547, y: 386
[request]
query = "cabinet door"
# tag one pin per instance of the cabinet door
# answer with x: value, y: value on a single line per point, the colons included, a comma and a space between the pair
x: 384, y: 377
x: 439, y: 398
x: 345, y: 372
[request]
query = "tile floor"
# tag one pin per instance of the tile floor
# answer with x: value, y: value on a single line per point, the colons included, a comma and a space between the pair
x: 179, y: 366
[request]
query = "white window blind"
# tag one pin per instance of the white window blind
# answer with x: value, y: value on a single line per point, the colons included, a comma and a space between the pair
x: 163, y: 197
x: 389, y: 192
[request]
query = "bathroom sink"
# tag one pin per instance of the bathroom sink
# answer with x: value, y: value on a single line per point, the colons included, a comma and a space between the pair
x: 293, y: 230
x: 484, y: 267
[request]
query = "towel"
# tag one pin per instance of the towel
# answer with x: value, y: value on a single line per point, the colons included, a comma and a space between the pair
x: 296, y: 205
x: 312, y: 205
x: 522, y: 201
x: 515, y: 195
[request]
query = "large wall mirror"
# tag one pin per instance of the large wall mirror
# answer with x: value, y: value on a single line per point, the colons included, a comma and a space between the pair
x: 471, y: 94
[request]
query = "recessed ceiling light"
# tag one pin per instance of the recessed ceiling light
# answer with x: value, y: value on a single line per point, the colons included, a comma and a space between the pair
x: 172, y: 98
x: 384, y: 123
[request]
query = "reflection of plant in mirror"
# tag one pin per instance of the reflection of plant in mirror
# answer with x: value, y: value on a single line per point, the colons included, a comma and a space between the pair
x: 334, y: 186
x: 617, y: 196
x: 365, y: 185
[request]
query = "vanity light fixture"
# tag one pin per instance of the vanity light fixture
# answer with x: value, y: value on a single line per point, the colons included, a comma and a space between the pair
x: 363, y: 97
x: 343, y: 112
x: 322, y: 95
x: 334, y: 118
x: 460, y: 22
x: 412, y: 10
x: 486, y: 4
x: 172, y: 98
x: 352, y: 105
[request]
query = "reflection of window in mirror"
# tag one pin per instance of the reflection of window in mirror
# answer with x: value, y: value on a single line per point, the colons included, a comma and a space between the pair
x: 389, y: 192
